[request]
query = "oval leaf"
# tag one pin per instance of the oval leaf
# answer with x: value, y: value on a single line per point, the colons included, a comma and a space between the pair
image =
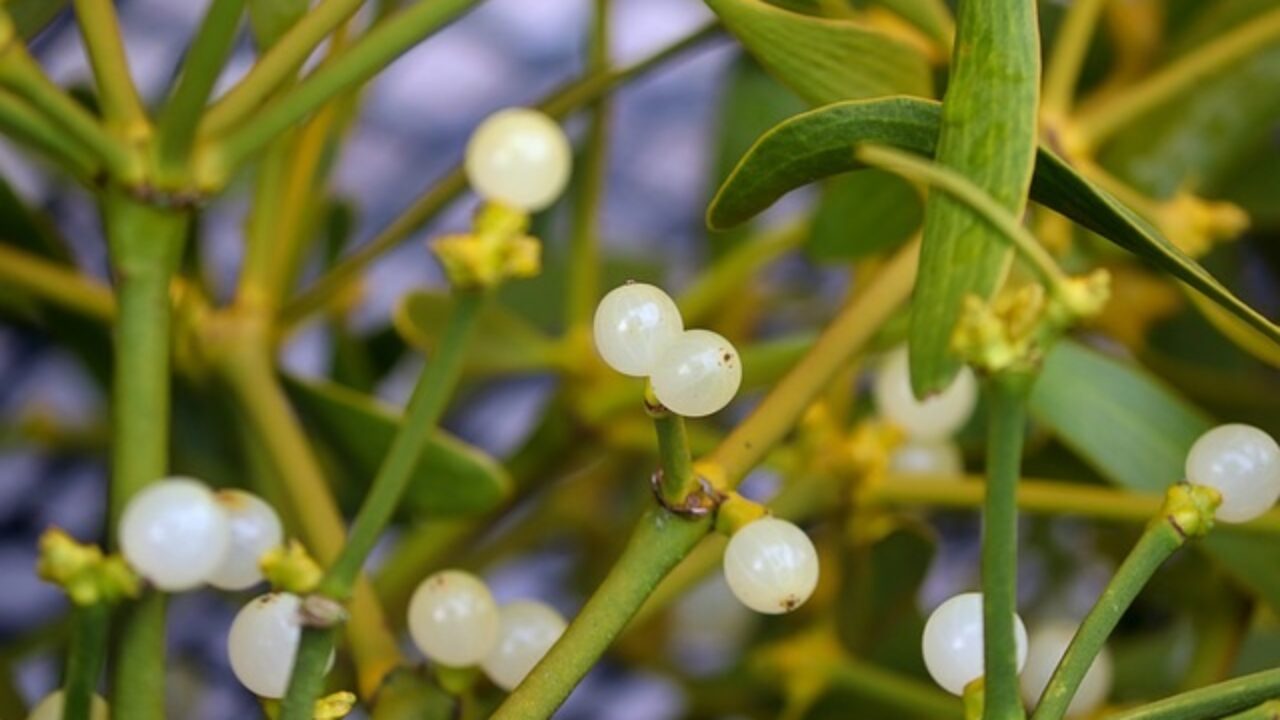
x: 1136, y: 432
x: 825, y: 60
x: 817, y: 144
x: 452, y: 478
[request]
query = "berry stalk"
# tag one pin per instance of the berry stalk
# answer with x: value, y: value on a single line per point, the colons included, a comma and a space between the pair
x: 1000, y: 544
x: 85, y: 659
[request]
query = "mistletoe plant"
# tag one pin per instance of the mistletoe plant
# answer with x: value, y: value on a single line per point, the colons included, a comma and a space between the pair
x: 977, y: 233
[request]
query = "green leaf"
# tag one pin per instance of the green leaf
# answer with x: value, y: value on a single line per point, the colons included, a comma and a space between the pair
x: 863, y: 214
x: 1136, y: 432
x: 503, y: 343
x: 822, y: 59
x: 988, y: 135
x: 819, y: 143
x: 452, y: 477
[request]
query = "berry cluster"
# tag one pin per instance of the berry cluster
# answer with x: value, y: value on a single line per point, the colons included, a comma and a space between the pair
x: 929, y: 423
x: 639, y: 332
x: 454, y: 621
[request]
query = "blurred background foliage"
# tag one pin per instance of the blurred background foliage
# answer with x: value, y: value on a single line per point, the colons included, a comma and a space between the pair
x: 552, y: 454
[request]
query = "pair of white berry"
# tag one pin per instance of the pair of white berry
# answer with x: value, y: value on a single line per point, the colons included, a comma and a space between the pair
x: 179, y: 534
x: 454, y: 621
x: 953, y: 653
x: 639, y: 332
x: 929, y: 423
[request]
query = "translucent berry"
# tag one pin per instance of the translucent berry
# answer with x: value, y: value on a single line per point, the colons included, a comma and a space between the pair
x: 1045, y: 648
x: 262, y: 643
x: 927, y: 457
x: 527, y: 629
x: 255, y: 529
x: 698, y: 374
x: 1241, y: 462
x: 634, y: 323
x: 453, y: 619
x: 174, y: 533
x: 952, y: 642
x: 771, y: 566
x: 50, y: 708
x: 519, y: 157
x: 935, y: 418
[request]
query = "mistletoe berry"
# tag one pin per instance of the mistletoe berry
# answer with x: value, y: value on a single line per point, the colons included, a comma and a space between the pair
x: 262, y: 643
x: 698, y: 374
x: 175, y: 534
x: 453, y: 618
x: 934, y: 418
x: 527, y: 630
x: 1241, y: 462
x: 634, y: 323
x: 952, y: 642
x: 519, y: 157
x: 255, y: 529
x: 771, y: 566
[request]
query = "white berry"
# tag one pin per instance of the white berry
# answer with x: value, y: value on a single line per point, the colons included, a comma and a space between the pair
x: 1045, y: 648
x: 940, y: 458
x: 771, y: 566
x: 519, y: 157
x: 935, y: 418
x: 698, y: 374
x: 50, y: 708
x: 1241, y: 462
x: 527, y: 630
x: 453, y: 618
x: 255, y: 529
x: 263, y: 641
x: 952, y: 642
x: 634, y: 323
x: 174, y: 533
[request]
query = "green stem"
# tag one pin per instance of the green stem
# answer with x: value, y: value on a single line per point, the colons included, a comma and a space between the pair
x: 1098, y: 123
x: 678, y: 478
x: 1006, y: 428
x: 105, y: 48
x: 383, y: 43
x: 145, y: 245
x: 23, y: 123
x: 584, y: 245
x: 1266, y: 711
x: 958, y: 186
x: 205, y: 58
x: 1212, y: 701
x: 910, y: 695
x: 1070, y: 46
x: 656, y: 546
x: 422, y: 415
x: 559, y: 104
x: 56, y: 284
x: 1158, y: 542
x: 84, y: 660
x: 20, y: 73
x: 277, y: 66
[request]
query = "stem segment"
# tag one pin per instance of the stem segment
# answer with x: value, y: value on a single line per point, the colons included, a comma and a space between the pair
x: 1008, y: 394
x: 84, y: 661
x: 1211, y: 701
x: 1158, y: 542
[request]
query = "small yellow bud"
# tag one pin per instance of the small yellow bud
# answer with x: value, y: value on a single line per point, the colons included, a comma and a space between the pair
x: 84, y: 573
x: 335, y: 706
x: 291, y: 568
x: 1190, y: 508
x: 496, y: 249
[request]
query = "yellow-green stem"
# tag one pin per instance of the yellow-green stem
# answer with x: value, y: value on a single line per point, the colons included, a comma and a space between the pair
x: 105, y: 47
x: 584, y: 242
x: 20, y: 121
x: 145, y: 245
x: 1067, y: 56
x: 84, y: 660
x: 56, y: 284
x: 1006, y: 426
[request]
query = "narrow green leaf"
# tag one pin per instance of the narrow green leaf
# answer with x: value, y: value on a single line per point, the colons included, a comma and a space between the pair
x: 819, y: 143
x: 503, y: 343
x: 453, y: 478
x: 822, y: 59
x: 1136, y: 432
x: 988, y: 134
